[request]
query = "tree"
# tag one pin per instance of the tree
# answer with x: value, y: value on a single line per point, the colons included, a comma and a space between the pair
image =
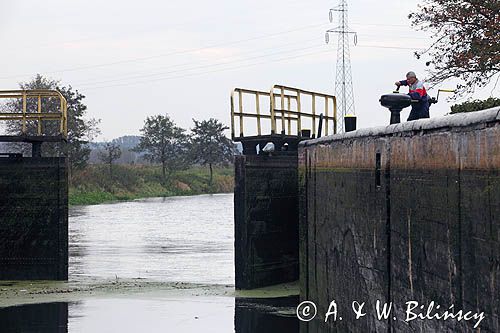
x: 109, y: 154
x: 465, y: 40
x: 209, y: 144
x: 476, y: 105
x: 164, y: 142
x: 80, y: 130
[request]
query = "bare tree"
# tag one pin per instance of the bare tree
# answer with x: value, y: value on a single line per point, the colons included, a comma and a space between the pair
x: 109, y: 154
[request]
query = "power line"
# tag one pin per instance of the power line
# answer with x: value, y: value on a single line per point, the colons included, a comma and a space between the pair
x: 225, y: 69
x: 203, y: 66
x: 169, y: 54
x: 393, y: 36
x: 113, y: 78
x: 121, y: 79
x: 382, y: 25
x: 392, y: 47
x: 49, y: 44
x: 131, y: 75
x: 208, y: 72
x: 183, y: 51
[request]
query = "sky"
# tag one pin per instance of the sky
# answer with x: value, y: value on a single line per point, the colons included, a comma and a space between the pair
x: 137, y: 59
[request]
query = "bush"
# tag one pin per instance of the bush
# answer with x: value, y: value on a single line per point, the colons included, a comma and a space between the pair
x: 94, y: 185
x: 476, y: 105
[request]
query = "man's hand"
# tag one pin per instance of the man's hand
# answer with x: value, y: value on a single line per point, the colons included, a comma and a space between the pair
x: 398, y: 83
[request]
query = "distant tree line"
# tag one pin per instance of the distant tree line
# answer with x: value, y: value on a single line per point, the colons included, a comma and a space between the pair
x: 162, y: 141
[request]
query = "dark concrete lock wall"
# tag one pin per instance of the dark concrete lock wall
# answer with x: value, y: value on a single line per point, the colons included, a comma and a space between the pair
x: 33, y: 218
x: 266, y: 220
x: 399, y: 213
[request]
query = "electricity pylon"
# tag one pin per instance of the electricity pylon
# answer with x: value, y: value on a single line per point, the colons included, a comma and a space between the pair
x: 343, y: 80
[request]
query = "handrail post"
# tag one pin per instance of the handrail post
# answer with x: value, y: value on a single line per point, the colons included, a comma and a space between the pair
x: 283, y: 110
x: 240, y: 100
x: 299, y: 118
x: 65, y: 118
x: 24, y: 113
x: 272, y: 106
x: 39, y: 104
x: 327, y: 101
x: 257, y: 105
x: 313, y: 115
x: 61, y: 128
x: 335, y: 114
x: 232, y: 115
x: 289, y: 115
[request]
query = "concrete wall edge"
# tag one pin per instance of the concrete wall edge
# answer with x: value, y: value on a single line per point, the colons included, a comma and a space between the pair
x: 491, y: 115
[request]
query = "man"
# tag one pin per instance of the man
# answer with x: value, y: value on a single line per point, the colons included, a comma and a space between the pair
x: 419, y: 108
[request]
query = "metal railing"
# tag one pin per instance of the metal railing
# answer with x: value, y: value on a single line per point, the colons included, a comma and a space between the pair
x: 241, y: 114
x: 285, y: 112
x: 39, y: 115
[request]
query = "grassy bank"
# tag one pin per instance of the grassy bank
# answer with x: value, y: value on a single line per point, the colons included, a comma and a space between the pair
x: 95, y: 185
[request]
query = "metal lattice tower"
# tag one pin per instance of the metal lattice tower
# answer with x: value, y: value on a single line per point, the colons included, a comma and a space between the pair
x: 343, y: 80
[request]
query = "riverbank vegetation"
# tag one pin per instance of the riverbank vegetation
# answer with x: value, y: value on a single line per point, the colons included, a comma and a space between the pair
x: 93, y: 185
x: 167, y: 160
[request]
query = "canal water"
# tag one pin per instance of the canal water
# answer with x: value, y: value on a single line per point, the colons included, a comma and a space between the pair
x: 180, y: 239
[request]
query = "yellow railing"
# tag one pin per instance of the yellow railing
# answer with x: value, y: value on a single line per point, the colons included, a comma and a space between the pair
x: 39, y: 115
x: 287, y: 114
x: 284, y: 111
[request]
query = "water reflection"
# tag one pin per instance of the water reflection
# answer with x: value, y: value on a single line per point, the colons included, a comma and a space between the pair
x: 183, y: 314
x: 266, y: 315
x: 43, y: 318
x: 184, y: 239
x: 180, y: 239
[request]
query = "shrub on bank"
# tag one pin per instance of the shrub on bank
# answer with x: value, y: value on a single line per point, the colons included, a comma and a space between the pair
x: 95, y: 184
x: 475, y: 105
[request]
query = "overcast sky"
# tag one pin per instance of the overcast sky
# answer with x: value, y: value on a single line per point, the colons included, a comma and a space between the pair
x: 132, y: 59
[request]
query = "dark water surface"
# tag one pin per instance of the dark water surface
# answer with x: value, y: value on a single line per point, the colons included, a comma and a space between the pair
x: 182, y: 239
